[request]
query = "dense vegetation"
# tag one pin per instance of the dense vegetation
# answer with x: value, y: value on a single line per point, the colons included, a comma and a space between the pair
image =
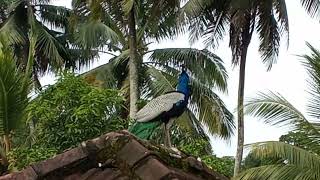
x: 199, y: 149
x: 38, y: 122
x: 296, y: 155
x: 56, y: 123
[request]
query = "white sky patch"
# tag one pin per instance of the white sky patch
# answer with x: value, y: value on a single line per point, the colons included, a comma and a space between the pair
x: 287, y: 77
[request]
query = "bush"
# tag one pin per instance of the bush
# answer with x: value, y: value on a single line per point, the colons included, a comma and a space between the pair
x: 65, y: 114
x: 72, y: 111
x: 198, y: 148
x: 21, y: 157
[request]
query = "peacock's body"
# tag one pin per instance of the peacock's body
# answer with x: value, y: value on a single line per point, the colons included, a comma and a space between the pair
x: 162, y: 109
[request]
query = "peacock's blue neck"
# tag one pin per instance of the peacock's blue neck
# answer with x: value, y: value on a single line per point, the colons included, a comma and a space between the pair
x: 183, y: 84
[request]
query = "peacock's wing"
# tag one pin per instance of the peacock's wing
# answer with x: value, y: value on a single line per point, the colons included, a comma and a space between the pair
x: 158, y: 105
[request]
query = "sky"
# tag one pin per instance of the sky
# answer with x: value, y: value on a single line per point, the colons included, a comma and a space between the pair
x: 287, y: 77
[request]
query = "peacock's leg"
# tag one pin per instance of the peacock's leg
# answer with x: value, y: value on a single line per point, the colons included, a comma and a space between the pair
x: 167, y: 140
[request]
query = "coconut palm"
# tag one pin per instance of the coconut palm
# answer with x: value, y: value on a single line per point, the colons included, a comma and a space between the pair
x: 154, y: 19
x: 268, y: 18
x: 158, y: 73
x: 13, y: 94
x: 210, y: 20
x: 298, y: 162
x: 55, y: 47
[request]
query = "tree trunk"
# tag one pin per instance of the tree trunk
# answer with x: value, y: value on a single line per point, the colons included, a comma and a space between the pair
x: 37, y: 83
x: 133, y: 69
x: 5, y: 163
x: 242, y: 73
x: 7, y: 143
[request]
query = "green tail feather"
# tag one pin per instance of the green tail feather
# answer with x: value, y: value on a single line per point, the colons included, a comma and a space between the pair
x: 144, y: 130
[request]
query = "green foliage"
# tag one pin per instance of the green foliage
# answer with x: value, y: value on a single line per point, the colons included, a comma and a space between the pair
x: 55, y: 46
x: 242, y: 18
x: 160, y: 74
x: 13, y: 94
x: 199, y: 148
x: 64, y: 115
x: 252, y: 161
x: 72, y: 111
x: 21, y: 157
x: 223, y: 165
x: 299, y: 149
x: 298, y: 139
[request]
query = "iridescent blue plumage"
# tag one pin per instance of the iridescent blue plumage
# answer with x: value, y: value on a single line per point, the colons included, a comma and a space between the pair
x: 179, y: 107
x: 164, y: 108
x: 183, y: 84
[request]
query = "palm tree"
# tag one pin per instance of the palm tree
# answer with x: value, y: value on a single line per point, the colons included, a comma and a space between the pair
x: 297, y: 162
x: 55, y: 47
x: 210, y: 20
x: 268, y: 18
x: 14, y: 88
x: 159, y: 73
x: 13, y: 98
x: 123, y: 18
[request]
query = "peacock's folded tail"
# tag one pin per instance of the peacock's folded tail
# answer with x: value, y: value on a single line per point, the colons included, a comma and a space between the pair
x: 144, y: 130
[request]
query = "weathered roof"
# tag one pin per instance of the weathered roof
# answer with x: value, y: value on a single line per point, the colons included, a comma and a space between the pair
x: 117, y: 155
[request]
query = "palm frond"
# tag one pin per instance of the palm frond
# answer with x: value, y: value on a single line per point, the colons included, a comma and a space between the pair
x: 302, y: 139
x: 13, y: 98
x: 95, y: 34
x: 48, y: 44
x: 11, y: 31
x: 13, y: 5
x: 159, y: 83
x: 205, y: 66
x: 267, y: 27
x: 30, y: 62
x: 56, y: 16
x: 127, y: 5
x: 111, y: 74
x: 275, y: 110
x: 193, y: 8
x: 101, y: 76
x: 162, y: 13
x: 312, y: 7
x: 125, y: 54
x: 312, y: 65
x: 281, y: 11
x: 76, y: 58
x: 291, y: 155
x: 279, y: 172
x: 211, y: 111
x: 189, y: 121
x: 209, y: 22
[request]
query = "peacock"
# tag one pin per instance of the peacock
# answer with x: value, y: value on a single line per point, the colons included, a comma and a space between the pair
x: 162, y: 110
